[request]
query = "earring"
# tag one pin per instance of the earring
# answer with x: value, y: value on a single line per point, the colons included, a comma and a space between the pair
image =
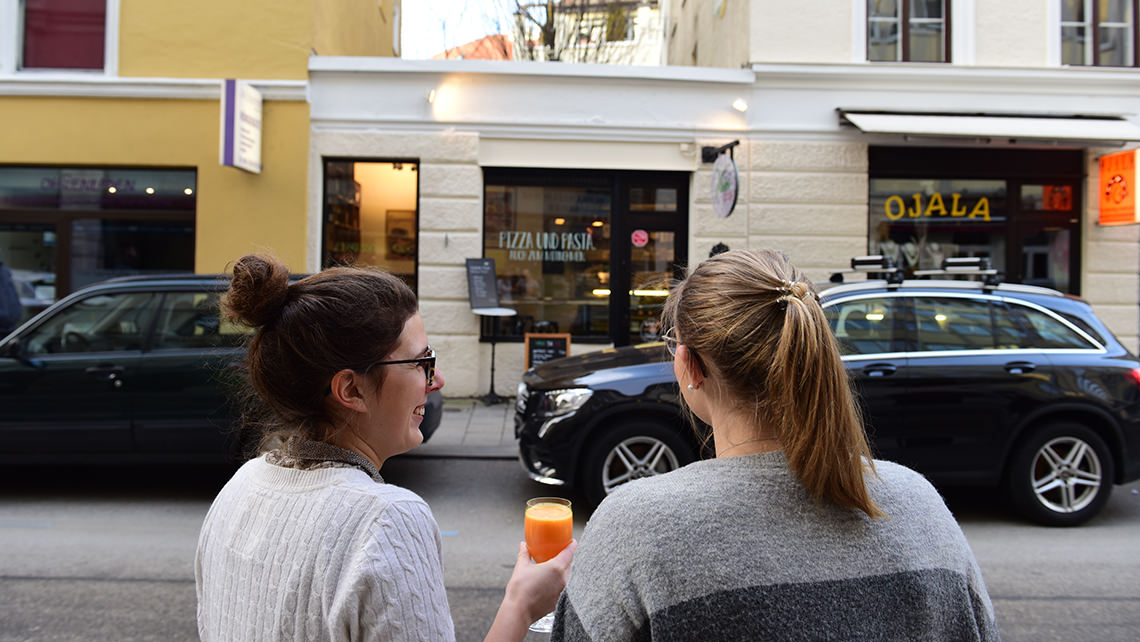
x: 691, y: 387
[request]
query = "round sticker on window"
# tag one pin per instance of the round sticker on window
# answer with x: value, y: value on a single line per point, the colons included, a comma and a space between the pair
x: 639, y: 238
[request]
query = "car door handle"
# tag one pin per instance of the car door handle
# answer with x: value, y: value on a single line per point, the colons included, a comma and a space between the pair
x: 879, y: 370
x: 1020, y: 367
x: 107, y: 373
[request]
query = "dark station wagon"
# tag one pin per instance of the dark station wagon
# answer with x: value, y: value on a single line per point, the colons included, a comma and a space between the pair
x: 131, y: 370
x: 969, y: 382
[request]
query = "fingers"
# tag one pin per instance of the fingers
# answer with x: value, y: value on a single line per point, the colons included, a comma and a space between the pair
x: 563, y: 559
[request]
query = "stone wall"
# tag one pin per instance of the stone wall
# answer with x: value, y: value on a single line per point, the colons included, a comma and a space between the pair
x: 805, y: 198
x: 1110, y: 270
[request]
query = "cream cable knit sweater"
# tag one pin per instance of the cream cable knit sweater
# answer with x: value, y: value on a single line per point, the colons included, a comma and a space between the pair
x: 322, y: 554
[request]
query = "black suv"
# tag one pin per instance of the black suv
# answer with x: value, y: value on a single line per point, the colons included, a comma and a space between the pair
x: 135, y: 369
x: 968, y: 382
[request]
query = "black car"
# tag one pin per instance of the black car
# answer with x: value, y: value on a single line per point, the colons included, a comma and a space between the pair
x: 971, y: 383
x: 135, y: 369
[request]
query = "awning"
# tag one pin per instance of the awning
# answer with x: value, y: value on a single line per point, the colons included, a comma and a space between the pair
x: 1016, y: 128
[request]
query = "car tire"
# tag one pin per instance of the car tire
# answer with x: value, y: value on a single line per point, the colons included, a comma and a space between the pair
x: 632, y: 450
x: 1061, y: 475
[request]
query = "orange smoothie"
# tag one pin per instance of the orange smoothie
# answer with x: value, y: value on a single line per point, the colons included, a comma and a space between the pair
x: 549, y: 528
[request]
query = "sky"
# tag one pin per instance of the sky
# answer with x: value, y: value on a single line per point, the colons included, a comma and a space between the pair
x: 433, y: 26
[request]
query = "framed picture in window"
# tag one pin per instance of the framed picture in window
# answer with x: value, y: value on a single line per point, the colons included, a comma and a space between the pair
x: 400, y: 232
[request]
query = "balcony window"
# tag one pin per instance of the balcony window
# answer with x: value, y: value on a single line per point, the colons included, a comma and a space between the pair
x: 908, y: 30
x: 64, y: 34
x: 1099, y: 32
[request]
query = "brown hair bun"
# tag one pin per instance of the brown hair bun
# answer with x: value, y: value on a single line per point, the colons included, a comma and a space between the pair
x: 258, y: 291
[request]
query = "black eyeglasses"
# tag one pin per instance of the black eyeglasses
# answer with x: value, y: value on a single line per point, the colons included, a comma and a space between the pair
x: 426, y: 363
x: 671, y: 342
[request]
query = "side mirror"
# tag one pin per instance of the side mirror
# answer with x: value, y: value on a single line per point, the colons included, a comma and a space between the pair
x: 17, y: 350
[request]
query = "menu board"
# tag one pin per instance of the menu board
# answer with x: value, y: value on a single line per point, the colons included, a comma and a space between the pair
x: 541, y: 347
x: 482, y: 288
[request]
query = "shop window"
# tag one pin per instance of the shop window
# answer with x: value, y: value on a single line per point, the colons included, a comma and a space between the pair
x: 1099, y: 32
x: 370, y: 216
x: 918, y: 223
x: 929, y: 204
x: 64, y: 34
x: 551, y: 246
x: 63, y: 228
x: 908, y: 30
x: 593, y: 254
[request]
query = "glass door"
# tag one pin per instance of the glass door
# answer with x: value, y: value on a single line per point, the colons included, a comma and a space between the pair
x: 650, y: 252
x: 1046, y: 229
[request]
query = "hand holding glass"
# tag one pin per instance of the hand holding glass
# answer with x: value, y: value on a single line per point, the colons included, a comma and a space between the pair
x: 549, y: 527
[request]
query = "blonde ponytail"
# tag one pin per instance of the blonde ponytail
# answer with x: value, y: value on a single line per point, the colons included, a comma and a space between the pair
x: 755, y: 320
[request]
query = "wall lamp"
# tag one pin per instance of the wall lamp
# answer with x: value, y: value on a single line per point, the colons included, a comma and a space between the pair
x: 709, y: 154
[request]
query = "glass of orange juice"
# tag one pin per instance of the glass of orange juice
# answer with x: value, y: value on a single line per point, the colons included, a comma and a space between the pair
x: 549, y: 527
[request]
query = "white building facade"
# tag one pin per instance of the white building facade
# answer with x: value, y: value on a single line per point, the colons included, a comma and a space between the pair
x: 588, y: 187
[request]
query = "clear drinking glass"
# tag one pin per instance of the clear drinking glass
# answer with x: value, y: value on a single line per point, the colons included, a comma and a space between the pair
x: 549, y: 526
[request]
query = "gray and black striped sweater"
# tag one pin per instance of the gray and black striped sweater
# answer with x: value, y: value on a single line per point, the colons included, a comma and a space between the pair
x: 736, y: 549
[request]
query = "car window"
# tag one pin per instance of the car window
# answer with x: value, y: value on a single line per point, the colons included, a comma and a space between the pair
x: 100, y: 323
x: 863, y: 326
x: 1084, y: 325
x: 1012, y: 334
x: 191, y: 320
x: 951, y: 323
x: 1044, y: 331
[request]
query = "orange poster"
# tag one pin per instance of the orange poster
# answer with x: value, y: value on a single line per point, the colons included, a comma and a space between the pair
x: 1118, y: 188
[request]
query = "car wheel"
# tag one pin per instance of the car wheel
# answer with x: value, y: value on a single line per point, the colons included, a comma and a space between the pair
x: 631, y: 451
x: 1061, y: 476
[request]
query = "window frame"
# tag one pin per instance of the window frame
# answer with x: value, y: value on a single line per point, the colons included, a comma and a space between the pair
x: 1093, y: 25
x: 622, y: 222
x: 326, y: 162
x: 12, y: 32
x: 1016, y: 167
x: 904, y: 21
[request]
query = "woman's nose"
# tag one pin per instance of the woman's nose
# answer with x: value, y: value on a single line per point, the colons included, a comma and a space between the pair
x: 437, y: 383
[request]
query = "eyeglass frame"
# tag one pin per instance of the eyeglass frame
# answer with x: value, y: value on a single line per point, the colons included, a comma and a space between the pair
x: 427, y: 364
x: 671, y: 342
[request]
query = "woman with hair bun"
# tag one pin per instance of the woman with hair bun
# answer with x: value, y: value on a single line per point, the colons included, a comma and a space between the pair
x: 792, y: 531
x: 306, y: 541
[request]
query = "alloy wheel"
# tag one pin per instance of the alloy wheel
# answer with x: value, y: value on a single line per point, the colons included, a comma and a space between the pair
x: 1066, y: 474
x: 634, y: 458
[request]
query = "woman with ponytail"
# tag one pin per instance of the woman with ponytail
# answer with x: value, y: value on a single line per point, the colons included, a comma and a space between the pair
x: 307, y: 541
x: 792, y: 531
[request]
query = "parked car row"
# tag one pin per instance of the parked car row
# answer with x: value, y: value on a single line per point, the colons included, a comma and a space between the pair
x: 136, y: 369
x: 1015, y: 387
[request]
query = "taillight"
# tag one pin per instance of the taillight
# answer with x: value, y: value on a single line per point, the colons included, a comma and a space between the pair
x: 1134, y: 375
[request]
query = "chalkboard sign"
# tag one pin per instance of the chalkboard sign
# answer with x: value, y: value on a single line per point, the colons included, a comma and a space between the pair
x: 482, y: 289
x: 541, y: 348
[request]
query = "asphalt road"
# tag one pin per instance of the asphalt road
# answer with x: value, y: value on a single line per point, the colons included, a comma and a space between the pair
x: 100, y: 555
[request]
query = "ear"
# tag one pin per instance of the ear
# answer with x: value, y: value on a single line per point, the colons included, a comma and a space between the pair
x: 346, y: 390
x: 688, y: 360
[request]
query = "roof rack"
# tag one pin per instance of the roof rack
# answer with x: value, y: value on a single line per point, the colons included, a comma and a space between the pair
x: 966, y: 266
x: 877, y: 264
x: 871, y: 264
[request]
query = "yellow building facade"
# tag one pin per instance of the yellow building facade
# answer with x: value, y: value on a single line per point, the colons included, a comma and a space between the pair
x: 104, y: 111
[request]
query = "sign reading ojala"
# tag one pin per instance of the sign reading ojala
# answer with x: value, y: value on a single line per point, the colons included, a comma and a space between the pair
x: 896, y: 207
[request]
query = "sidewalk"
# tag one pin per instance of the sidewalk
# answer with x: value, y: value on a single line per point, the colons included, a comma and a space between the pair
x: 468, y: 428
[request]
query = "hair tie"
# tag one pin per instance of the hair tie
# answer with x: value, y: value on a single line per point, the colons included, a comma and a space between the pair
x: 794, y: 289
